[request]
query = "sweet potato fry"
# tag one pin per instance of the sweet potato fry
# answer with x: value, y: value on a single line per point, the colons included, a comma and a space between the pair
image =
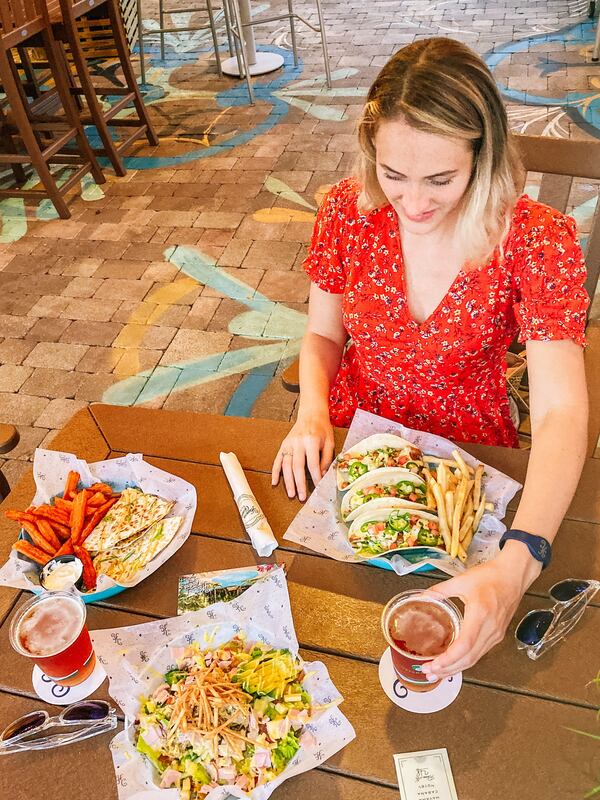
x: 38, y: 539
x: 47, y: 532
x: 52, y: 513
x: 71, y: 484
x: 89, y: 572
x: 66, y: 549
x: 90, y: 525
x: 34, y: 553
x: 78, y: 514
x: 97, y: 499
x: 60, y: 502
x: 108, y: 505
x: 19, y: 516
x: 62, y: 531
x: 101, y: 487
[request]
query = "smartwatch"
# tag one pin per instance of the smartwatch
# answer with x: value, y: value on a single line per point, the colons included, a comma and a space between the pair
x: 540, y: 548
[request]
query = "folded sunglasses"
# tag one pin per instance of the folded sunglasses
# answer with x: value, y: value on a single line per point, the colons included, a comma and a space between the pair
x: 542, y: 628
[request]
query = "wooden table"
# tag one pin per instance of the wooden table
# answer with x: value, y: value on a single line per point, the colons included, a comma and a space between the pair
x: 507, y: 733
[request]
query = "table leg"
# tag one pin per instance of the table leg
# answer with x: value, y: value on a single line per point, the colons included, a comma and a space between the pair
x: 258, y: 63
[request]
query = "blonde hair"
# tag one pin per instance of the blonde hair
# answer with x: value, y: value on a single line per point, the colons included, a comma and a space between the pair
x: 440, y: 86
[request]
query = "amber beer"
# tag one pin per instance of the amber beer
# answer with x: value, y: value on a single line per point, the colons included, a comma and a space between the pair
x: 50, y: 629
x: 418, y: 627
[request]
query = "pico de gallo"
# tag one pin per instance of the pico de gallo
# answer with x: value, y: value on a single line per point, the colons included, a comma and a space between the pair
x: 403, y: 489
x: 393, y: 530
x: 354, y: 465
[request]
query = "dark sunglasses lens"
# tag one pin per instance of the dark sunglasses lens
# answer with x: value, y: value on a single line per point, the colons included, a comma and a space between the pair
x: 533, y: 626
x: 27, y: 724
x: 567, y: 590
x: 86, y: 712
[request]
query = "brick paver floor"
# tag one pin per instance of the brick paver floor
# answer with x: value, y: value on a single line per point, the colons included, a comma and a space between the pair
x: 180, y: 285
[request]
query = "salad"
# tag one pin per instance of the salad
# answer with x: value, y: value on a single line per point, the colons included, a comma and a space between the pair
x: 229, y: 716
x: 393, y: 530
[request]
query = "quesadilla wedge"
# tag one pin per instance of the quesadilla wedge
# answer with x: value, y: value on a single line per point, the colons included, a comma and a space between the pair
x: 374, y: 452
x: 376, y: 489
x: 131, y: 514
x: 123, y: 562
x: 393, y: 528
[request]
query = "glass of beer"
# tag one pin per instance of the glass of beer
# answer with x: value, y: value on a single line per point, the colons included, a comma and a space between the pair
x: 418, y: 627
x: 50, y: 629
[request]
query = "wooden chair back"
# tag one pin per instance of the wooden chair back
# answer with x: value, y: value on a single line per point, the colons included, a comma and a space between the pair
x: 19, y: 20
x: 561, y: 161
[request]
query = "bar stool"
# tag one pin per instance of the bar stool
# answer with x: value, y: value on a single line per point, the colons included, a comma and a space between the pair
x: 65, y: 27
x: 238, y: 25
x: 162, y: 30
x: 34, y: 126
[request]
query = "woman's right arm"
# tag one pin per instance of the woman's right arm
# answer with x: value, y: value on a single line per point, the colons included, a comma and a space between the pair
x: 310, y: 441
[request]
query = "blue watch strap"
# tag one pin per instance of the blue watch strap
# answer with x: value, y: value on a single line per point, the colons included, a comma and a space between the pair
x: 540, y: 548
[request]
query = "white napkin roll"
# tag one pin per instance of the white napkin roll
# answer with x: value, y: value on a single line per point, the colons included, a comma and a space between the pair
x: 255, y: 522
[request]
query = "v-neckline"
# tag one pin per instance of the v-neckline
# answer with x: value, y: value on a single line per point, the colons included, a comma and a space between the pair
x: 460, y: 275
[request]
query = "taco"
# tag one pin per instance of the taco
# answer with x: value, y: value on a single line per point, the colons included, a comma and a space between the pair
x: 396, y: 527
x: 376, y: 488
x: 374, y: 452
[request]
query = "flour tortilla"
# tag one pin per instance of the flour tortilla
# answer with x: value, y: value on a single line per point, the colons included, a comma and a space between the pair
x: 123, y: 562
x: 362, y: 450
x: 133, y: 512
x: 386, y: 476
x: 382, y: 515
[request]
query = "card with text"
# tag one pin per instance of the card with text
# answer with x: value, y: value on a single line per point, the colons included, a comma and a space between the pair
x: 425, y: 775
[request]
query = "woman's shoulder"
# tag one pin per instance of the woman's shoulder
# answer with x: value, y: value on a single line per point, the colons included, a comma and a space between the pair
x: 343, y: 196
x: 534, y: 219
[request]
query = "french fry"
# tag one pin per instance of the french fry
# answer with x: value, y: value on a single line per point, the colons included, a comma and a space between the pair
x: 37, y: 538
x: 449, y: 505
x: 489, y: 506
x: 479, y: 513
x: 442, y: 478
x: 465, y: 528
x: 467, y: 508
x: 90, y: 525
x: 78, y: 514
x: 462, y: 553
x: 462, y: 465
x: 52, y: 513
x: 47, y: 532
x: 62, y: 531
x: 89, y: 573
x: 429, y: 496
x: 477, y: 487
x: 108, y: 505
x: 19, y: 516
x: 467, y: 540
x: 66, y: 549
x: 34, y: 553
x: 71, y: 484
x: 66, y: 505
x: 439, y: 498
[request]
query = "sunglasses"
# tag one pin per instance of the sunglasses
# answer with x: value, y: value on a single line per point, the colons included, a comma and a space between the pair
x: 540, y: 629
x: 89, y: 717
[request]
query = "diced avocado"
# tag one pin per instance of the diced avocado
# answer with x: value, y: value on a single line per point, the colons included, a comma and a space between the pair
x: 175, y: 675
x: 260, y: 705
x: 144, y: 748
x: 195, y: 770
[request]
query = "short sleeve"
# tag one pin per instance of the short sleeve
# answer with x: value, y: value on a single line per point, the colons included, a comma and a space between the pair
x: 331, y: 238
x: 549, y: 269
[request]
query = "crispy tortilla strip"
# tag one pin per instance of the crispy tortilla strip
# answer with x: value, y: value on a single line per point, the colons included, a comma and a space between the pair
x: 131, y: 514
x: 123, y: 562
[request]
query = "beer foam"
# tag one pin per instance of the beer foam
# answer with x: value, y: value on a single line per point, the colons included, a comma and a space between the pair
x: 50, y: 626
x: 424, y: 628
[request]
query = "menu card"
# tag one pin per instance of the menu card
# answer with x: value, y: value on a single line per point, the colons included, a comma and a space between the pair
x: 425, y: 775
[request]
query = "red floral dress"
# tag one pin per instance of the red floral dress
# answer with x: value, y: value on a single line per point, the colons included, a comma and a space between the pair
x: 445, y: 375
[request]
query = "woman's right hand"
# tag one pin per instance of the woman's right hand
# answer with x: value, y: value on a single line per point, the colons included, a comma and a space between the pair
x: 308, y: 444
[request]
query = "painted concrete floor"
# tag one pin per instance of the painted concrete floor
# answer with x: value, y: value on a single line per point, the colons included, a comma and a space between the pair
x: 180, y: 285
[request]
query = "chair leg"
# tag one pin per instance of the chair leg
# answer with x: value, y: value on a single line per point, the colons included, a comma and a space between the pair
x: 141, y: 41
x: 293, y: 31
x: 227, y: 20
x: 89, y: 92
x: 213, y: 30
x: 161, y: 17
x: 324, y: 43
x: 29, y: 140
x: 61, y: 81
x: 114, y: 14
x: 239, y: 37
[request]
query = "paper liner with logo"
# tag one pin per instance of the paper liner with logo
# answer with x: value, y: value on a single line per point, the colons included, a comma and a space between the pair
x: 135, y: 659
x: 318, y: 526
x: 50, y: 470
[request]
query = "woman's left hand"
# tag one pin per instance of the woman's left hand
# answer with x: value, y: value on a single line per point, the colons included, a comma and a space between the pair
x: 491, y: 593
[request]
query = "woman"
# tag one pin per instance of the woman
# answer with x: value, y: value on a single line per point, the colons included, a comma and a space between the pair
x: 431, y: 264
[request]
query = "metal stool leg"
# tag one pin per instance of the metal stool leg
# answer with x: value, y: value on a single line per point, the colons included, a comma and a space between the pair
x: 141, y: 41
x: 293, y: 31
x: 228, y: 28
x: 238, y: 32
x: 324, y: 43
x: 596, y: 50
x: 213, y: 30
x: 161, y: 18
